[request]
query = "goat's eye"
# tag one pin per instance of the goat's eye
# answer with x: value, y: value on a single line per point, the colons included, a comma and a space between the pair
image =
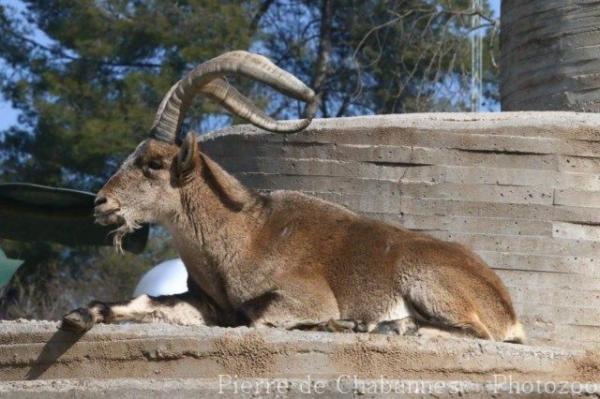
x: 155, y: 164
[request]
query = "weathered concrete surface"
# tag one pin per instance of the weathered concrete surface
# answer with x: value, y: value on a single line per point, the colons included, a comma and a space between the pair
x: 168, y: 357
x: 522, y: 189
x: 243, y: 388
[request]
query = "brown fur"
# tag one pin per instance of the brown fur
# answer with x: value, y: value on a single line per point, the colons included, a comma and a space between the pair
x: 285, y: 258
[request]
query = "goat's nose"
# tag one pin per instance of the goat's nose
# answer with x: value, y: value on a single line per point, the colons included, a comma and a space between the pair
x: 100, y: 200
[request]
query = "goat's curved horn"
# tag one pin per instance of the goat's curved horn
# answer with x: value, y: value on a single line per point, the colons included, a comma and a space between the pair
x: 226, y: 95
x: 204, y: 79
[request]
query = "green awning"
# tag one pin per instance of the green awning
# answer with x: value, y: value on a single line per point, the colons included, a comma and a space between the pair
x: 31, y: 212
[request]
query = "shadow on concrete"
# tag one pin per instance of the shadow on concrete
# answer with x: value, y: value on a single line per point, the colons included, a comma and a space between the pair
x: 56, y: 346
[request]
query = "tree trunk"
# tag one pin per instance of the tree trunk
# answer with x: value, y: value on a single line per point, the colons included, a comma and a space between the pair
x: 322, y: 66
x: 550, y: 55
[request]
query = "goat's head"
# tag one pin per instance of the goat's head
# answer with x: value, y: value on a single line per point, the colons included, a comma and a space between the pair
x: 146, y: 187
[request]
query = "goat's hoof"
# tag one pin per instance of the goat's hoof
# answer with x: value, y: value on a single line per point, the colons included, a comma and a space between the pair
x: 346, y: 326
x: 78, y: 321
x: 406, y: 326
x: 361, y: 327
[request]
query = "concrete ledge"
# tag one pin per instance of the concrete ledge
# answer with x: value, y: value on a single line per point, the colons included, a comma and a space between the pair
x: 286, y: 388
x: 37, y: 350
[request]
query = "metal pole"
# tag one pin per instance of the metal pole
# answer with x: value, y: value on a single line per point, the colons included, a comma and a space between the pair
x: 476, y: 60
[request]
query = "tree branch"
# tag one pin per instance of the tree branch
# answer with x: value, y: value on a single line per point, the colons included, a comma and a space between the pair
x: 264, y: 7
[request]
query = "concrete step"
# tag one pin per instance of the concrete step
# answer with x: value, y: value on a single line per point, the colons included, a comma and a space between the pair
x: 155, y: 359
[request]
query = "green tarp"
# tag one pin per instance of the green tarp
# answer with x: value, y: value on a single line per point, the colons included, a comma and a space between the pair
x: 8, y: 267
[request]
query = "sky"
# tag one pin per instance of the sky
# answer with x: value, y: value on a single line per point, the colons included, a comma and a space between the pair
x: 8, y: 116
x: 496, y: 7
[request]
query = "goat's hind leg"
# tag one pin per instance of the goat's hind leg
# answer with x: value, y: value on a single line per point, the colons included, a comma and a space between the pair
x: 445, y: 318
x: 183, y: 309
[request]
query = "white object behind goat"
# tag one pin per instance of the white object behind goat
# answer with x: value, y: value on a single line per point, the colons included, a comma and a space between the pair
x: 166, y: 278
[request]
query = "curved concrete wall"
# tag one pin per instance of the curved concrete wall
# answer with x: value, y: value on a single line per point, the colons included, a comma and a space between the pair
x: 521, y: 189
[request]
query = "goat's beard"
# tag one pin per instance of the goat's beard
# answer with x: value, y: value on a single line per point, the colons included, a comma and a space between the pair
x: 129, y: 225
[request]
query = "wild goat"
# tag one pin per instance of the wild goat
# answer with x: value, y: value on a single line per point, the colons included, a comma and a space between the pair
x: 283, y: 259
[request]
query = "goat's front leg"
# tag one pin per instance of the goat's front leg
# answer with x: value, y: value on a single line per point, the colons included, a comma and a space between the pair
x: 183, y: 309
x: 333, y: 325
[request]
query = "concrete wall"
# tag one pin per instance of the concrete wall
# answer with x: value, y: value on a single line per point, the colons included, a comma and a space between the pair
x: 522, y: 189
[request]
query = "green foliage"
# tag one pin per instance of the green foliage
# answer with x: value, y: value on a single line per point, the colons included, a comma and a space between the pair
x: 89, y: 97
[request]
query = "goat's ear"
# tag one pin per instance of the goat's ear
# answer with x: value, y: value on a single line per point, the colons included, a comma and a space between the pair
x: 187, y: 156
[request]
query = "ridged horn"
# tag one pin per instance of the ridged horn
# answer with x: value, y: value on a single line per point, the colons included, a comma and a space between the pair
x: 205, y: 78
x: 226, y: 95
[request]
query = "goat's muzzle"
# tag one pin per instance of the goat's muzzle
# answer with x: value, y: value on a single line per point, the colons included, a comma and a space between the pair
x: 106, y: 211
